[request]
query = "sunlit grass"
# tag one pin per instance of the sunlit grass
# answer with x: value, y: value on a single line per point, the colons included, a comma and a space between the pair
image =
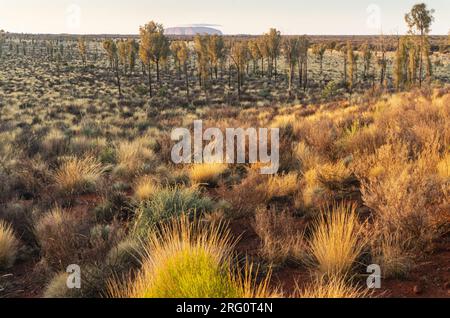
x: 336, y: 242
x: 8, y: 246
x: 188, y: 260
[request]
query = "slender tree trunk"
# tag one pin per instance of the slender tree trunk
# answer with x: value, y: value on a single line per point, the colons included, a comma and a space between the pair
x: 305, y: 77
x: 291, y: 77
x: 239, y: 82
x: 421, y: 58
x: 187, y: 80
x: 150, y: 80
x: 345, y: 68
x: 300, y: 73
x: 118, y: 80
x: 276, y: 67
x: 262, y: 67
x: 157, y: 72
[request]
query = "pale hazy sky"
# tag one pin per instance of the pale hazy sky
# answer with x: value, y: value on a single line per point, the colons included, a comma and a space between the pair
x: 232, y: 16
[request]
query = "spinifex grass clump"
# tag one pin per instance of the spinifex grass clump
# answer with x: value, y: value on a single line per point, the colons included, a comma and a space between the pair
x: 207, y: 173
x: 8, y: 246
x: 78, y: 175
x: 186, y: 259
x: 167, y: 203
x: 145, y: 187
x: 337, y: 241
x: 334, y: 287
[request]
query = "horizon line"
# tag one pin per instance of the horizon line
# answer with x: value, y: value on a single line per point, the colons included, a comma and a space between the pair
x: 224, y: 34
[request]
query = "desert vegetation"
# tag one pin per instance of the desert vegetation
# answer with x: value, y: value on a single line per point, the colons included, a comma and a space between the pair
x: 86, y: 175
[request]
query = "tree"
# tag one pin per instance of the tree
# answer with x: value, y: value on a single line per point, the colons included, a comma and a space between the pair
x: 273, y: 42
x: 367, y: 56
x: 303, y: 61
x: 145, y: 50
x: 181, y: 50
x: 174, y: 48
x: 111, y: 50
x: 291, y: 52
x: 419, y: 21
x: 255, y: 53
x: 351, y: 68
x: 401, y: 62
x: 426, y: 53
x: 239, y: 55
x: 319, y: 51
x: 382, y: 61
x: 203, y: 61
x: 216, y: 51
x: 82, y: 49
x: 133, y: 51
x: 155, y: 48
x: 412, y: 62
x: 343, y: 50
x: 124, y: 54
x: 2, y: 41
x: 265, y: 54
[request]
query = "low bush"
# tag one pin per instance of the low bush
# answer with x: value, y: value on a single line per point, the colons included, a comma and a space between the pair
x: 170, y: 202
x: 280, y: 240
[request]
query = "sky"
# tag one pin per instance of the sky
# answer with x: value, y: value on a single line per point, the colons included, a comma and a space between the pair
x: 331, y: 17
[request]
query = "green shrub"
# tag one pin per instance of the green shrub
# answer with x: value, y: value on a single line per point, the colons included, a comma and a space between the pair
x: 167, y: 203
x: 125, y: 256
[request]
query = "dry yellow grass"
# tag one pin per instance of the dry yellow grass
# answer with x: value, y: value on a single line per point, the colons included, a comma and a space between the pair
x: 131, y: 156
x: 145, y: 187
x: 77, y: 175
x: 334, y: 287
x: 307, y: 157
x: 444, y: 167
x: 8, y: 246
x: 336, y: 242
x: 207, y: 173
x: 281, y: 185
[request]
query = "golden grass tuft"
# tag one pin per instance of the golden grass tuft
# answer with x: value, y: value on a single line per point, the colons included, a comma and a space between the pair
x: 281, y: 185
x: 8, y: 246
x: 207, y: 173
x: 336, y: 243
x: 145, y: 187
x: 443, y: 167
x: 327, y: 288
x: 77, y: 175
x: 132, y: 156
x: 186, y: 259
x: 307, y: 157
x: 59, y: 234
